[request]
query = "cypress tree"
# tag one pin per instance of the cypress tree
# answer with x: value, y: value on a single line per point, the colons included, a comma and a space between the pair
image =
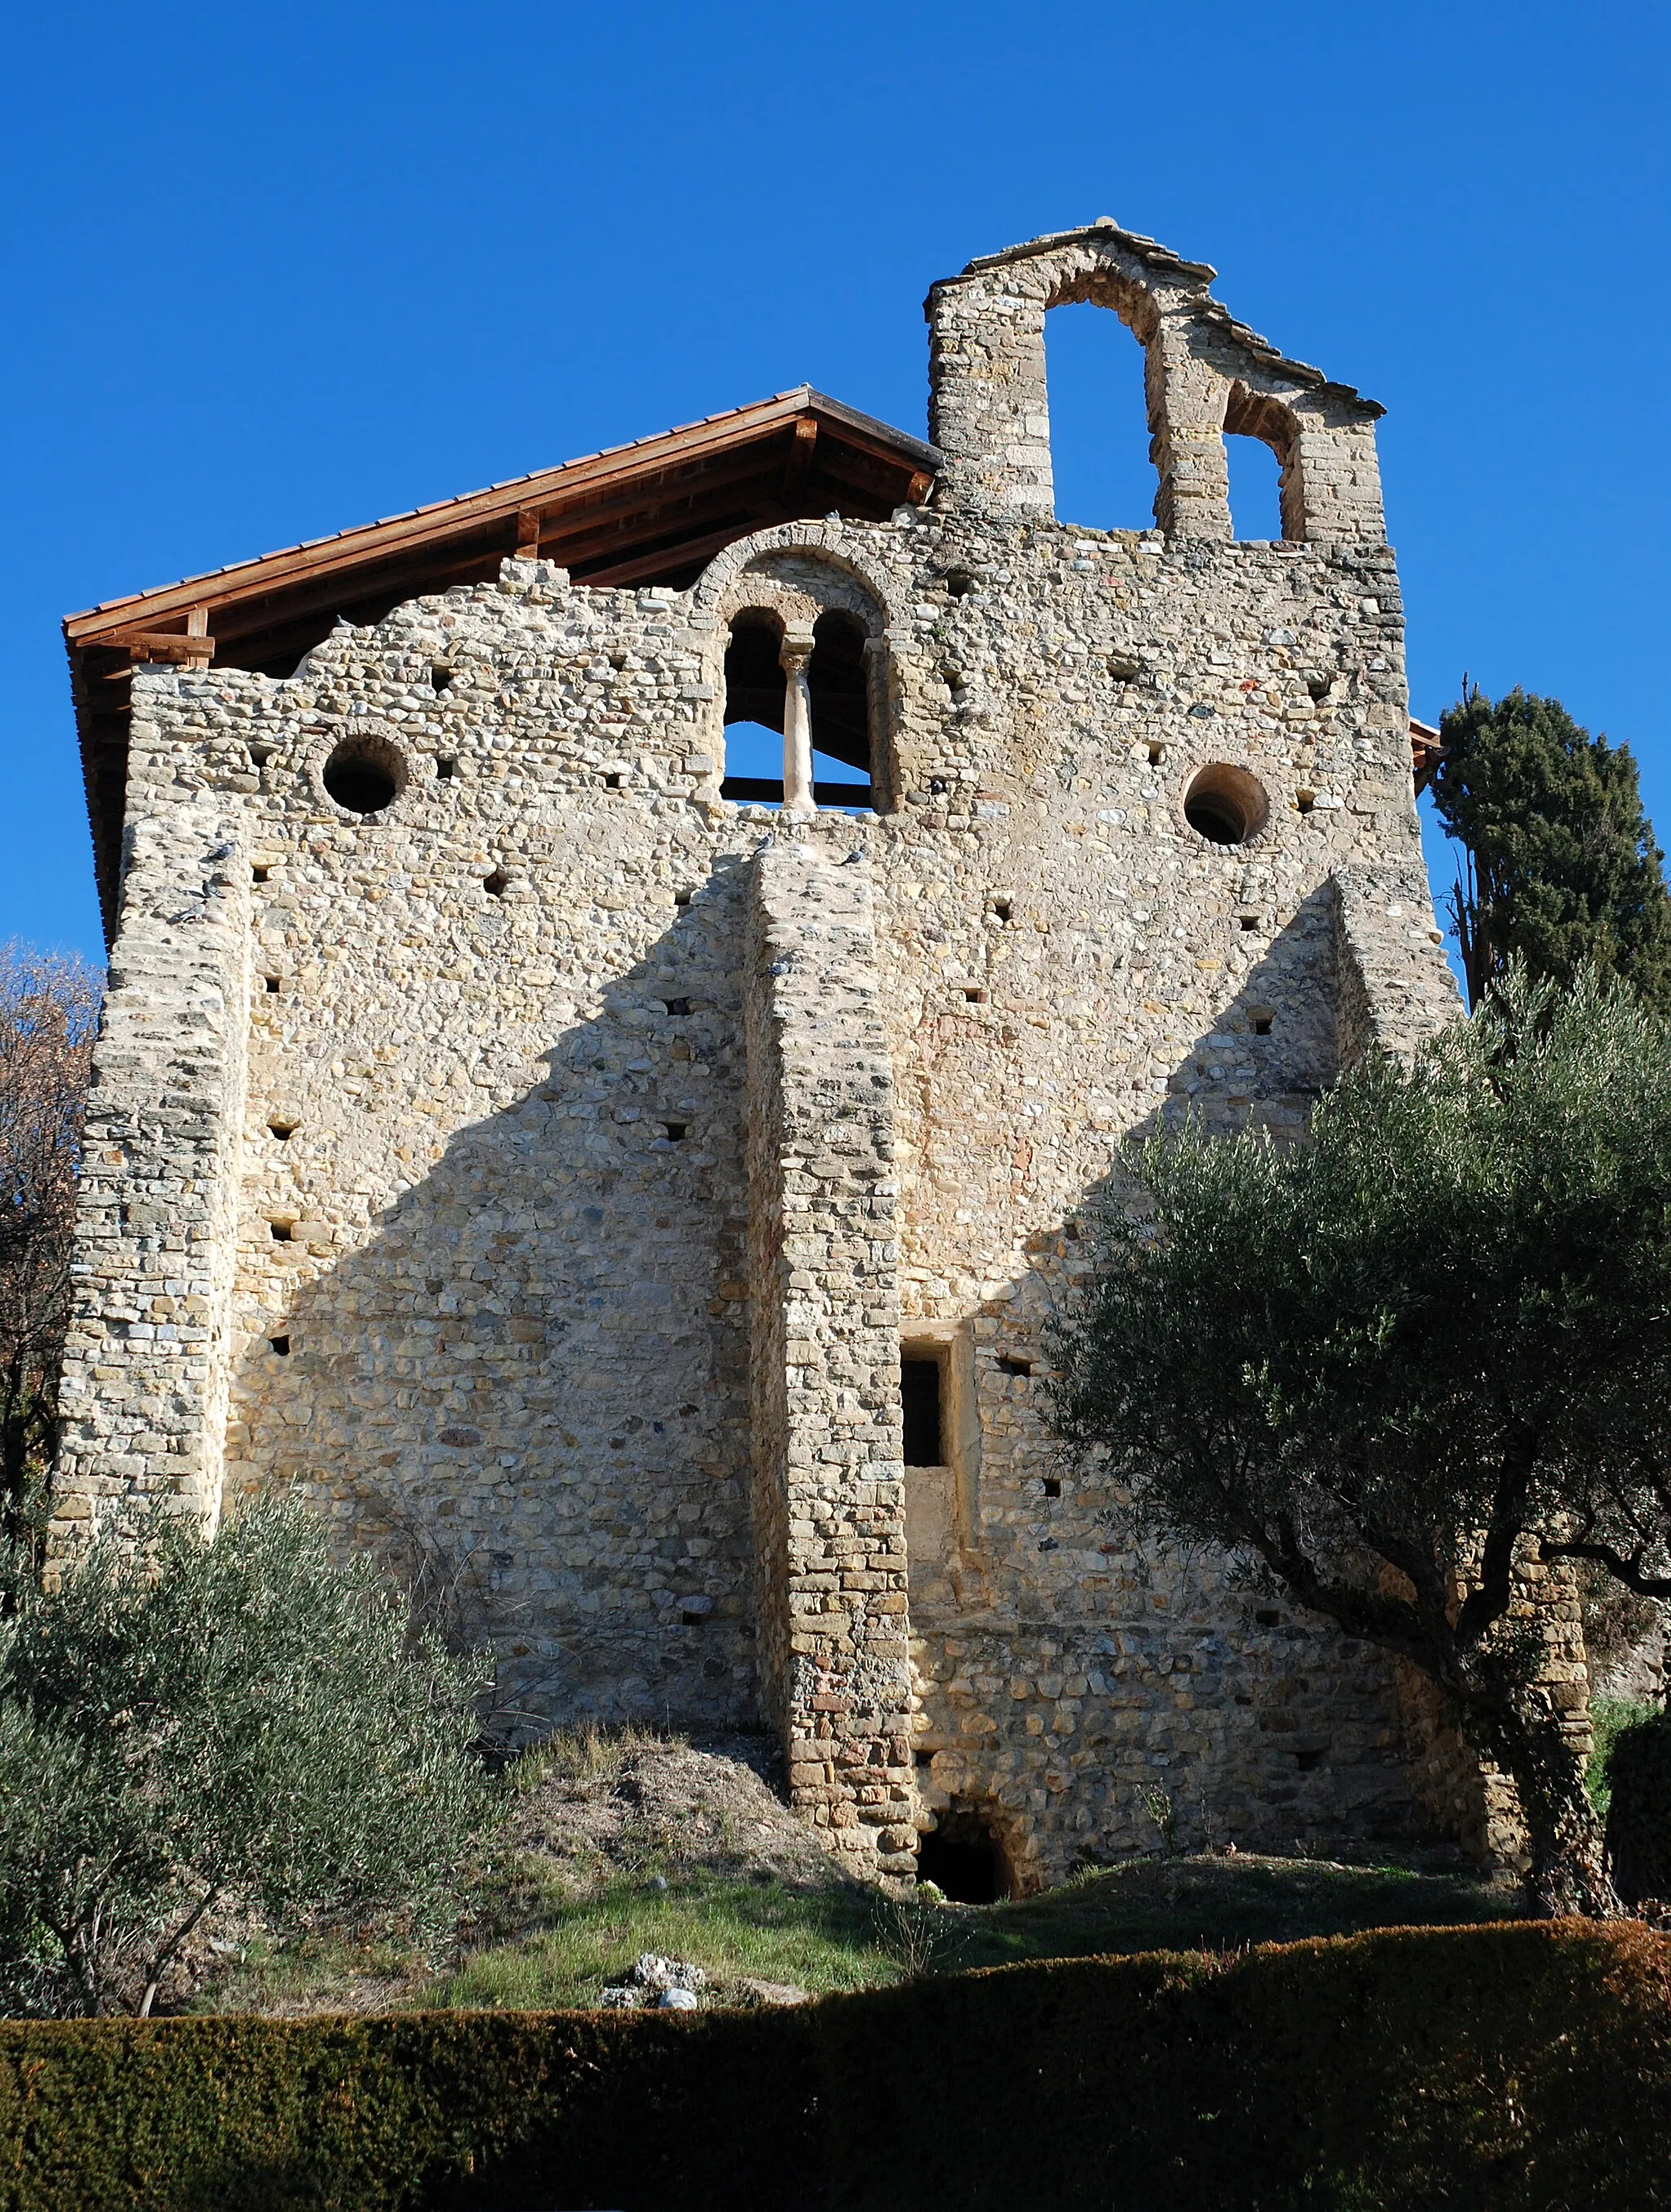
x: 1561, y: 863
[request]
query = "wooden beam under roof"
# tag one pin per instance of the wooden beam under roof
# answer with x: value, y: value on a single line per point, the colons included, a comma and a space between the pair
x: 1425, y: 753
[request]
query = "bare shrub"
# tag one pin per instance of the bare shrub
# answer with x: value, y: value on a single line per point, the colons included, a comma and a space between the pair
x: 49, y: 1010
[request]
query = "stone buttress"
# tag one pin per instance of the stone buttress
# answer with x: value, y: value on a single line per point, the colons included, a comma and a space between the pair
x: 829, y: 1484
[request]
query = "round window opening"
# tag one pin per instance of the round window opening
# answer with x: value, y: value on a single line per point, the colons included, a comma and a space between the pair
x: 365, y: 775
x: 1226, y: 805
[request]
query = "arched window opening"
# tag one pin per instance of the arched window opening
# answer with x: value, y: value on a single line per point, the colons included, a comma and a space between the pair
x: 1255, y: 490
x: 840, y: 685
x: 1099, y: 436
x: 963, y: 1857
x: 838, y: 682
x: 754, y: 712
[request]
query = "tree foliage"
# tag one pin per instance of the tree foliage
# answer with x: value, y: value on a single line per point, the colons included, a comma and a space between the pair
x: 1383, y: 1368
x: 235, y: 1723
x: 49, y: 1008
x: 1561, y: 863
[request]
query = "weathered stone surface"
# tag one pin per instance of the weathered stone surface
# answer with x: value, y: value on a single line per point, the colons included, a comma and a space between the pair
x: 542, y: 1173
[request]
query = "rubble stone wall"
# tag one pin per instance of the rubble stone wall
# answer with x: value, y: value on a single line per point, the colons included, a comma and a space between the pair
x: 829, y: 1515
x: 148, y: 1355
x: 531, y: 1140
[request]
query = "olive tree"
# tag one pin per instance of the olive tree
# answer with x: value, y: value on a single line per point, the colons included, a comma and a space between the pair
x: 237, y: 1723
x: 1387, y: 1368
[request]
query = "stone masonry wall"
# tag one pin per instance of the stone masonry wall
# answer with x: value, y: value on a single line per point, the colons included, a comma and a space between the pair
x: 525, y: 1112
x: 1390, y: 992
x: 829, y: 1515
x: 148, y: 1355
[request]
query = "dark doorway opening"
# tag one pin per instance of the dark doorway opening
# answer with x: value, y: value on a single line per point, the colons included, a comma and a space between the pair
x: 919, y: 1396
x: 962, y: 1857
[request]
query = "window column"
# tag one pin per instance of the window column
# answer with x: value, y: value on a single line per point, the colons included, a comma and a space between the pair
x: 793, y: 658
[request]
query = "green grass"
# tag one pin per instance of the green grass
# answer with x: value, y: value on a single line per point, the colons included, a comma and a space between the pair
x: 844, y: 1938
x: 822, y: 1939
x: 1217, y: 1905
x: 315, y: 1971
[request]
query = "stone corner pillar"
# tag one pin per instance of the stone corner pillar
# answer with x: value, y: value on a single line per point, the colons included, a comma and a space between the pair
x: 1394, y: 986
x: 827, y: 1446
x: 988, y: 406
x: 146, y: 1363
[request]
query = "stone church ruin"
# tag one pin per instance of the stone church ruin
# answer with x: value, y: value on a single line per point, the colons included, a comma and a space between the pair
x: 650, y: 1180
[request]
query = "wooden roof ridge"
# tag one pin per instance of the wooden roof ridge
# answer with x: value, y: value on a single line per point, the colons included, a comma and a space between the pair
x: 511, y: 494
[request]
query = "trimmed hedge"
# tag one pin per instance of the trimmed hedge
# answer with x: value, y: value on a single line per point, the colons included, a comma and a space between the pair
x: 1525, y: 2065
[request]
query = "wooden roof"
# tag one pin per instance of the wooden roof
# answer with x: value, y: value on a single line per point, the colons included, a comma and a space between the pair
x: 655, y: 511
x: 1425, y: 753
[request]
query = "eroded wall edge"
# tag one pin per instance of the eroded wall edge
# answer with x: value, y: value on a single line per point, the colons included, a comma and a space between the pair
x: 147, y: 1360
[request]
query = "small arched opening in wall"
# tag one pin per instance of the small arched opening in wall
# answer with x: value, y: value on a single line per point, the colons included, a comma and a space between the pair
x: 1259, y: 445
x: 839, y: 680
x: 965, y: 1855
x: 1225, y: 805
x: 1255, y: 490
x: 364, y: 774
x: 1095, y: 373
x: 754, y: 683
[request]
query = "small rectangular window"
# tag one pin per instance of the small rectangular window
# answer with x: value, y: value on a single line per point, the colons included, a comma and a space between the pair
x: 919, y: 1393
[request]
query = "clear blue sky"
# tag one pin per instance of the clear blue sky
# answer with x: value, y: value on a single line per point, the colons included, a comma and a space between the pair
x: 275, y: 270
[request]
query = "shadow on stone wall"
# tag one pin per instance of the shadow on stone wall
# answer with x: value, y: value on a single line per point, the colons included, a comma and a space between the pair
x: 527, y: 1385
x: 1142, y: 1697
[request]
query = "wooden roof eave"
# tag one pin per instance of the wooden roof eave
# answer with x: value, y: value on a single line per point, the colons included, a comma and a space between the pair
x: 650, y: 510
x: 1425, y: 754
x: 425, y: 526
